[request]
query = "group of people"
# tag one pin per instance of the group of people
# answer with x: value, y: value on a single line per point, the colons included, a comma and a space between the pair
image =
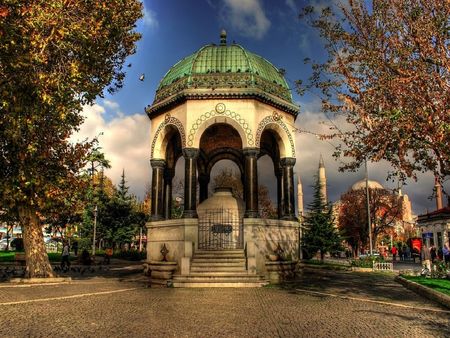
x: 85, y: 257
x: 430, y: 255
x: 403, y: 252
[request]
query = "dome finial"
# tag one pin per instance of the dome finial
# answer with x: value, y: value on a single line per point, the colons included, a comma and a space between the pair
x: 223, y: 37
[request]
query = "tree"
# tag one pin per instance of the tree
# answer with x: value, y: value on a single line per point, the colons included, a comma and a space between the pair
x: 388, y: 73
x: 121, y: 217
x: 55, y: 57
x: 386, y: 210
x: 320, y: 232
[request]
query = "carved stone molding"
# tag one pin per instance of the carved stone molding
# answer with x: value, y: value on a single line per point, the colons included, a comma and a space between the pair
x: 220, y: 110
x: 169, y: 120
x: 276, y: 120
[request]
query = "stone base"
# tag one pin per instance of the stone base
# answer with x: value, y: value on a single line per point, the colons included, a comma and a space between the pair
x: 161, y: 272
x: 280, y: 271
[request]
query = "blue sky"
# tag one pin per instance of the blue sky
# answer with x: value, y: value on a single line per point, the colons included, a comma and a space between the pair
x: 174, y: 29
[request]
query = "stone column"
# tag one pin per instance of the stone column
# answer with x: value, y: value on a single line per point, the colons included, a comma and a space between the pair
x: 287, y: 165
x: 157, y: 212
x: 190, y: 182
x: 203, y: 180
x: 251, y: 182
x: 168, y: 176
x: 280, y: 192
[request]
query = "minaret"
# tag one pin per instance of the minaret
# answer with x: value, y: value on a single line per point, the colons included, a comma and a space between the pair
x: 322, y: 181
x: 300, y: 197
x: 438, y: 189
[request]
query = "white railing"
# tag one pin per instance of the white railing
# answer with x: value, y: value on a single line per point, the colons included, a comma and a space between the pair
x: 382, y: 266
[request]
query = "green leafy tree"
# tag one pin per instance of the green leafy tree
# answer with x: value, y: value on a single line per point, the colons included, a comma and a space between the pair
x: 387, y: 73
x: 122, y: 217
x: 55, y: 57
x: 320, y: 232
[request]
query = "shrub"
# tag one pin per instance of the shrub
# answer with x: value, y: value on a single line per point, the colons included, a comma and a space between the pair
x: 131, y: 255
x: 366, y: 262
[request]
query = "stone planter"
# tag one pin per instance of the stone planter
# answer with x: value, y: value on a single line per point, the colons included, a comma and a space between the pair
x: 280, y: 271
x: 161, y: 273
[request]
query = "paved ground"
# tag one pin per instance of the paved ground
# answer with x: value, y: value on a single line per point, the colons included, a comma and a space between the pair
x: 319, y: 304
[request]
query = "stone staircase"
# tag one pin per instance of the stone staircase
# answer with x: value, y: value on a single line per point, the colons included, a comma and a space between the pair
x: 224, y: 268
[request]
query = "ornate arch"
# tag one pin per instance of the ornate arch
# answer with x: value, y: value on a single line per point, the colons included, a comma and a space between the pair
x: 168, y: 120
x: 220, y: 112
x: 276, y: 120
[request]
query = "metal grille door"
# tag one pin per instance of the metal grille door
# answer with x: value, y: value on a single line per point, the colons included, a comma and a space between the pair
x: 219, y: 229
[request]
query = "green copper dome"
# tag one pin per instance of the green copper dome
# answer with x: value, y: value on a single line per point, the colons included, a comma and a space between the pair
x: 224, y: 67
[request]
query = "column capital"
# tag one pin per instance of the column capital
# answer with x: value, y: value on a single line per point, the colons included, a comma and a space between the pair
x: 190, y: 153
x: 287, y: 161
x: 251, y: 152
x: 157, y: 163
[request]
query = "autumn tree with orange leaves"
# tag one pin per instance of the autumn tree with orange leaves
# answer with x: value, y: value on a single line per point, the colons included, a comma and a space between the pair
x: 388, y: 73
x: 386, y: 210
x: 55, y: 57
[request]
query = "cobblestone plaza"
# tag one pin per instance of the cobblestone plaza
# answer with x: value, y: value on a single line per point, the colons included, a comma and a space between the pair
x: 319, y: 304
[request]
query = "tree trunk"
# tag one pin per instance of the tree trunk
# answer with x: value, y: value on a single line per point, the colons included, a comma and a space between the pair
x: 322, y: 255
x: 37, y: 262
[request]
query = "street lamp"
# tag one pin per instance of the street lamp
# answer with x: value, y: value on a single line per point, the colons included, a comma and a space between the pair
x: 368, y: 205
x: 95, y: 229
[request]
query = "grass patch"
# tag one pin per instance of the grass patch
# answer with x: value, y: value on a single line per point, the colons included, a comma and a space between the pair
x: 440, y: 285
x: 9, y: 256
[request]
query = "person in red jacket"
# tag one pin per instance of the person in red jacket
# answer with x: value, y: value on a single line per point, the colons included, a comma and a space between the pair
x: 394, y: 253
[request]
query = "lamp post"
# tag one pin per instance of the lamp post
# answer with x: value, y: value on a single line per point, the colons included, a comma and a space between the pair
x: 95, y: 229
x: 368, y: 206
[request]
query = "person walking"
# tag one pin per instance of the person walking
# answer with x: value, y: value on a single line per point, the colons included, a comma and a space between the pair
x: 75, y: 248
x: 446, y: 254
x: 65, y: 261
x: 433, y: 253
x: 425, y: 256
x: 394, y: 253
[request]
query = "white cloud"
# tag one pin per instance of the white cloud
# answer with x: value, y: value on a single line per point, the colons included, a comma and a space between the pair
x: 150, y: 19
x: 291, y: 4
x: 125, y: 142
x: 247, y: 17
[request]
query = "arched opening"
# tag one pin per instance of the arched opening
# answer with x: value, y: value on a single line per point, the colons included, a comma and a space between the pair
x: 218, y: 142
x: 163, y: 172
x: 267, y: 188
x: 226, y: 174
x: 270, y: 176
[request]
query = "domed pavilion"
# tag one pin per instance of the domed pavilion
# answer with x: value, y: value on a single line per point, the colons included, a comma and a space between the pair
x: 221, y: 102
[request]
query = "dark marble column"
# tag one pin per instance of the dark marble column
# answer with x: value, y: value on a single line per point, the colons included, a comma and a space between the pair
x: 287, y: 165
x: 280, y: 192
x: 157, y: 212
x: 203, y: 180
x: 251, y: 182
x: 190, y: 182
x: 168, y: 177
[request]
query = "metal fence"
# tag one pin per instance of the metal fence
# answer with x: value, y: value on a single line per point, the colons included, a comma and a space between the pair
x: 220, y: 229
x: 379, y: 266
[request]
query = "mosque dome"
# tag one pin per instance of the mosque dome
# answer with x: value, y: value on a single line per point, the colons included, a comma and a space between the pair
x: 362, y: 185
x: 225, y: 70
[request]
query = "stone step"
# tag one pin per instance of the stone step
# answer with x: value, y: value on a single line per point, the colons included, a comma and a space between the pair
x: 218, y: 260
x: 220, y: 252
x: 219, y: 284
x: 238, y: 263
x: 235, y: 276
x: 214, y: 256
x: 218, y: 269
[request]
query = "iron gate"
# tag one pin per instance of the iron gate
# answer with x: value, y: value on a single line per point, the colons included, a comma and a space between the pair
x: 220, y: 229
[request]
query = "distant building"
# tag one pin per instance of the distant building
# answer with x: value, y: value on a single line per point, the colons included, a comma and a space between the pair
x: 435, y: 225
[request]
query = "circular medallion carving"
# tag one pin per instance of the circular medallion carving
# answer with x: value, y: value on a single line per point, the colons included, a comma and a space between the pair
x: 220, y: 108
